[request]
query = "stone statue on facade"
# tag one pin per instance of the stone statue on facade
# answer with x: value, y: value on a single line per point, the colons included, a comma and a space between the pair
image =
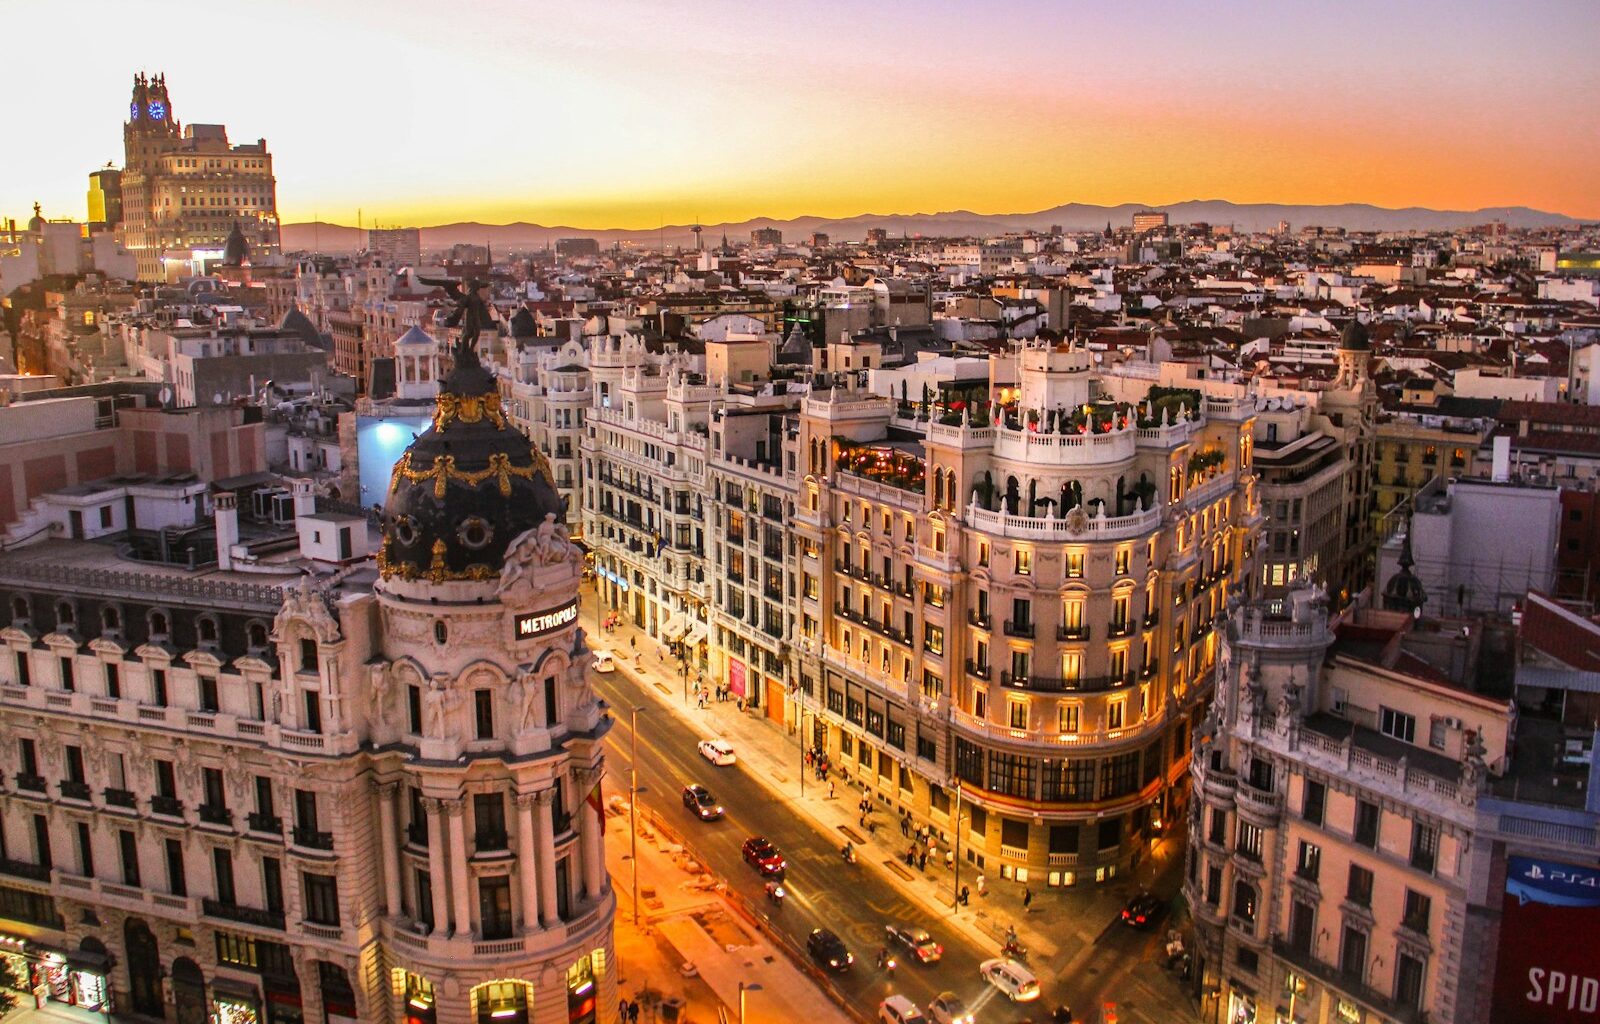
x: 1474, y: 769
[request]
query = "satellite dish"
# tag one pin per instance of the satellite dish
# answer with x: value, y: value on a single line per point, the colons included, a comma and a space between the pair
x: 165, y: 395
x: 216, y: 398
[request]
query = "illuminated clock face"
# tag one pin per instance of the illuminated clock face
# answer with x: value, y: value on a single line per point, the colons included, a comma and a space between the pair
x: 158, y: 110
x: 133, y: 110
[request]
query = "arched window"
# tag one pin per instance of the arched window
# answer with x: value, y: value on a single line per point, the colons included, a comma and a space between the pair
x: 66, y: 615
x: 308, y: 654
x: 441, y: 632
x: 258, y: 635
x: 208, y: 629
x: 158, y: 624
x: 938, y: 488
x: 110, y: 618
x: 19, y: 608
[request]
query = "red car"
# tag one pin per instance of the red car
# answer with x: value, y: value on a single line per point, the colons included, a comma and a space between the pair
x: 764, y: 857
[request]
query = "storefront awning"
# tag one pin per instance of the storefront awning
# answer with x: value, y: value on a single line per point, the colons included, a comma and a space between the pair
x: 674, y: 628
x: 235, y: 989
x: 697, y: 635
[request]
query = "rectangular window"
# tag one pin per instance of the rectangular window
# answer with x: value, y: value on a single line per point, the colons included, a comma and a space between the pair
x: 933, y: 638
x: 414, y: 710
x: 1219, y: 826
x: 1309, y: 863
x: 1067, y: 717
x: 1418, y: 909
x: 75, y: 765
x: 215, y: 797
x: 1114, y: 714
x: 177, y: 882
x: 969, y: 762
x: 272, y: 884
x: 897, y: 735
x: 85, y: 851
x: 1124, y: 560
x: 1409, y: 975
x: 1075, y: 565
x: 158, y: 687
x: 1353, y: 954
x: 1249, y: 844
x: 1312, y: 800
x: 222, y: 869
x: 1397, y: 724
x: 321, y: 898
x: 483, y: 713
x: 129, y: 848
x: 166, y: 780
x: 489, y: 818
x: 1366, y: 829
x: 1023, y: 562
x: 424, y: 883
x: 1424, y: 847
x: 1214, y: 886
x: 68, y: 682
x: 1359, y: 890
x: 208, y: 694
x: 494, y: 907
x: 1017, y: 713
x: 1119, y: 775
x: 113, y: 680
x: 983, y: 552
x: 305, y: 810
x: 313, y: 702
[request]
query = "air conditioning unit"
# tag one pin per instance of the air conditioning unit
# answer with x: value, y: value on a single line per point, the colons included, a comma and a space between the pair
x: 1452, y: 723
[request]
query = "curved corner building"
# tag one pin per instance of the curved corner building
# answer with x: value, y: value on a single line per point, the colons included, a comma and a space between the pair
x: 1007, y: 606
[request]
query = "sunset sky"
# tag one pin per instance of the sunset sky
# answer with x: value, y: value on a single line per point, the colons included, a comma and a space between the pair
x: 631, y: 114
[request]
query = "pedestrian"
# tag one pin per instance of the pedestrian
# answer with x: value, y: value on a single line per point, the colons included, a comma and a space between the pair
x: 830, y: 789
x: 863, y: 821
x: 980, y: 885
x: 1027, y: 897
x: 965, y: 894
x: 633, y: 1012
x: 922, y: 861
x: 633, y: 642
x: 622, y: 1010
x: 949, y: 859
x: 905, y: 827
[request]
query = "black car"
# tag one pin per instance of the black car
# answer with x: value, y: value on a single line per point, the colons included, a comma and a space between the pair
x: 1142, y: 910
x: 699, y: 800
x: 827, y: 950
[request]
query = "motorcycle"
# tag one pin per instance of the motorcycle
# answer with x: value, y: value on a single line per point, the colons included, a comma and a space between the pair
x: 848, y: 853
x: 775, y: 893
x: 1014, y: 949
x: 886, y: 960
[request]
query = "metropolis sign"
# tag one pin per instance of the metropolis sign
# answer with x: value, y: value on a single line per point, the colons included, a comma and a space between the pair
x: 532, y: 624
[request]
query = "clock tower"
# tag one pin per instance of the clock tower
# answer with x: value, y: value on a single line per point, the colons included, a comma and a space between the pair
x: 150, y: 129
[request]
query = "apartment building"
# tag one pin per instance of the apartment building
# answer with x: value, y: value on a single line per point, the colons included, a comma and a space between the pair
x: 1005, y: 611
x: 323, y: 789
x: 546, y: 392
x: 1336, y: 779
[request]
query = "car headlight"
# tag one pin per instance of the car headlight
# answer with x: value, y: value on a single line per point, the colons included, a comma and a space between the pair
x: 833, y: 963
x: 719, y: 809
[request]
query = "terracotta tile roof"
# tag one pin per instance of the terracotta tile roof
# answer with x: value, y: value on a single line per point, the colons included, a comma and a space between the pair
x: 1561, y: 634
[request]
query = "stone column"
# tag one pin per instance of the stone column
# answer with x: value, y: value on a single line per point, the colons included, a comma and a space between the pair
x: 547, y: 858
x: 590, y: 839
x: 528, y: 860
x: 391, y: 846
x: 438, y: 873
x: 460, y: 883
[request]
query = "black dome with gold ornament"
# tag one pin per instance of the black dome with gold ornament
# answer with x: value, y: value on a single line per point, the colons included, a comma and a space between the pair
x: 467, y: 487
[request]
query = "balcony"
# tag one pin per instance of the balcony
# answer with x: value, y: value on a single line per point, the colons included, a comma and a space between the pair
x: 1116, y: 629
x: 171, y: 806
x: 71, y: 790
x: 262, y: 822
x: 1058, y: 684
x: 1019, y: 629
x: 216, y: 815
x: 981, y: 621
x: 975, y: 669
x: 1347, y: 984
x: 22, y: 869
x: 30, y: 782
x: 244, y: 915
x: 312, y: 839
x: 1077, y: 633
x: 120, y: 797
x: 1152, y: 620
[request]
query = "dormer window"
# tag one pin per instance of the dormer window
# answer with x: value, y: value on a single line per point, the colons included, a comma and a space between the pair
x: 258, y: 635
x: 19, y: 609
x: 308, y: 655
x: 158, y: 625
x: 110, y: 619
x: 66, y: 615
x: 207, y: 628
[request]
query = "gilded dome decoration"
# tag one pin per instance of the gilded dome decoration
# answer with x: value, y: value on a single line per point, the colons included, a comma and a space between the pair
x: 468, y: 486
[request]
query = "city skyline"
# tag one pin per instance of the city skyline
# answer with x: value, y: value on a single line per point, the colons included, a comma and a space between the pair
x: 634, y: 116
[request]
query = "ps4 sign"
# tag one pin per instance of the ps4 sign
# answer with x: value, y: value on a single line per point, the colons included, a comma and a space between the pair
x: 532, y: 624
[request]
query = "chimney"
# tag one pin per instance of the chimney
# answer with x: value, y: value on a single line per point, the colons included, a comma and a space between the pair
x: 227, y: 527
x: 305, y: 502
x: 1502, y: 460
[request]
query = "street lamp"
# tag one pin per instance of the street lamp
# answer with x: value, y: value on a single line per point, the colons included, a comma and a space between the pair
x: 753, y: 986
x: 633, y: 809
x: 803, y: 712
x: 955, y: 892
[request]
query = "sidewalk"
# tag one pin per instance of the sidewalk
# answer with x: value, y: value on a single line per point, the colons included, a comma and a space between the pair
x: 1057, y: 925
x: 692, y: 945
x: 52, y: 1013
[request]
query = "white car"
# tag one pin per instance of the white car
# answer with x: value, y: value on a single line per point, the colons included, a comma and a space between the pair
x: 899, y: 1010
x: 604, y: 662
x: 1011, y: 978
x: 947, y: 1008
x: 718, y: 752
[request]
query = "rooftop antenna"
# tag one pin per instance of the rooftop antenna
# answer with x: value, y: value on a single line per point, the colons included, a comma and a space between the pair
x: 697, y: 246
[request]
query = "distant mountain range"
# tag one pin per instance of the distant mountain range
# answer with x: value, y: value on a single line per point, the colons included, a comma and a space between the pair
x: 337, y: 238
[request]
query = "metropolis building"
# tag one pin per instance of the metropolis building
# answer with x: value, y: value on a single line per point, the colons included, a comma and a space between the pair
x: 368, y: 794
x: 1005, y: 611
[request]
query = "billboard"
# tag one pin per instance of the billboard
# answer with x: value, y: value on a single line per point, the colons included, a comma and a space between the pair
x: 1548, y: 970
